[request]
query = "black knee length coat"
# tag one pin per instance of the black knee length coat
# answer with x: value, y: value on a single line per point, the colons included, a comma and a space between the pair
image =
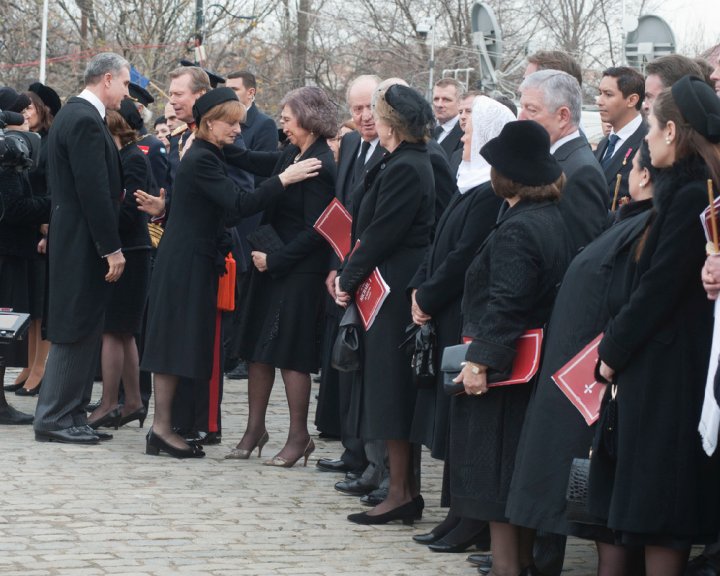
x: 663, y: 484
x: 393, y: 220
x: 183, y: 289
x: 439, y: 281
x: 510, y: 287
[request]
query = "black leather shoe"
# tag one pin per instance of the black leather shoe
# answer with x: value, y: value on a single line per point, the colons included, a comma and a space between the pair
x: 11, y: 417
x: 482, y: 561
x: 140, y: 414
x: 443, y: 545
x: 408, y: 513
x: 72, y: 435
x: 102, y: 436
x: 110, y: 420
x: 14, y: 387
x: 154, y: 444
x: 240, y: 372
x: 354, y: 487
x: 374, y: 498
x: 332, y: 465
x: 353, y: 475
x: 204, y: 438
x: 22, y: 391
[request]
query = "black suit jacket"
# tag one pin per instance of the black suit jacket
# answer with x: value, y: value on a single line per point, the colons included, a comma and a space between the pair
x: 259, y: 131
x: 584, y: 201
x: 451, y: 142
x: 347, y: 189
x: 621, y: 162
x: 86, y: 186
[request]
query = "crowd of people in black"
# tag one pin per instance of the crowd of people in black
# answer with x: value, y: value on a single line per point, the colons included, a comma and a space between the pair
x: 489, y: 225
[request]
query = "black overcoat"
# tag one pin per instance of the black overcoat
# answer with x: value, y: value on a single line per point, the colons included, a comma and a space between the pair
x: 659, y: 345
x: 510, y: 287
x: 85, y: 181
x: 594, y: 287
x: 392, y: 220
x: 440, y: 281
x: 183, y: 289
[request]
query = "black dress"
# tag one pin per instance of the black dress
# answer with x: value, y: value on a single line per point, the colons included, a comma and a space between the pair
x: 392, y: 220
x: 439, y: 281
x: 280, y: 314
x: 663, y: 488
x: 124, y: 313
x: 510, y: 287
x: 38, y: 264
x: 594, y: 288
x: 183, y: 290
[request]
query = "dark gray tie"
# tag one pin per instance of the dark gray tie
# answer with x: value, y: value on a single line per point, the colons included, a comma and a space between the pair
x: 437, y: 132
x: 360, y: 161
x: 612, y: 141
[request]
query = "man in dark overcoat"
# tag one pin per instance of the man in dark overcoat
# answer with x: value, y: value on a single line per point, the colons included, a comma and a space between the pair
x: 83, y: 247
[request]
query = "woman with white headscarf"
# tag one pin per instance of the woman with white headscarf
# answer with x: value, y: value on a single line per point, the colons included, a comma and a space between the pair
x: 437, y: 290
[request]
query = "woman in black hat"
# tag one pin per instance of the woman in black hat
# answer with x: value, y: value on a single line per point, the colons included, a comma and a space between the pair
x: 655, y: 485
x: 392, y: 223
x: 191, y: 256
x: 510, y: 288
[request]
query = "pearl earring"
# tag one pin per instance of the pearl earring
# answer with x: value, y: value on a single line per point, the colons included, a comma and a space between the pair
x: 667, y: 140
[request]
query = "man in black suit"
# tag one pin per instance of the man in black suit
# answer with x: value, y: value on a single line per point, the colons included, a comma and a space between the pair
x: 359, y: 152
x: 83, y: 247
x: 446, y: 100
x: 259, y: 130
x: 622, y: 91
x: 553, y: 99
x: 149, y: 143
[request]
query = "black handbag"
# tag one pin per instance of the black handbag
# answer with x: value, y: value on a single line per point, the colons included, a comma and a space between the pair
x: 453, y: 359
x: 347, y: 350
x: 576, y: 509
x: 421, y: 343
x: 265, y: 239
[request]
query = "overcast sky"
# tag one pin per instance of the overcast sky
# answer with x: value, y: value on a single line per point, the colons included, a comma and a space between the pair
x: 696, y: 23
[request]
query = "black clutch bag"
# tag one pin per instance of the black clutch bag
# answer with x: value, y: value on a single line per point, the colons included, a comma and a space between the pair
x: 453, y: 359
x: 265, y: 239
x: 347, y: 350
x: 576, y: 509
x: 421, y: 343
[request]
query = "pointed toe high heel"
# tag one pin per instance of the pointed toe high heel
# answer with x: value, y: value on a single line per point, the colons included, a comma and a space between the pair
x: 408, y: 513
x: 281, y: 462
x: 139, y: 414
x: 154, y: 445
x: 110, y: 420
x: 22, y: 391
x: 14, y: 387
x: 243, y: 454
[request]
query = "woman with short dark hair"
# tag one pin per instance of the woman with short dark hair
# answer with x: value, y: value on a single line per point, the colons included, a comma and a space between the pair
x: 510, y: 288
x: 283, y: 295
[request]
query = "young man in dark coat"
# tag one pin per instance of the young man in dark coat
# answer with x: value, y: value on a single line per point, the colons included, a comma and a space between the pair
x: 84, y: 247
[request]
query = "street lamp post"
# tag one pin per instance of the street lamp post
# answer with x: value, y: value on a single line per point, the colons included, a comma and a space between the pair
x: 43, y: 42
x: 424, y: 29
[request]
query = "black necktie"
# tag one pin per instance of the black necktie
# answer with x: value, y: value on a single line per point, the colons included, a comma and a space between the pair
x: 360, y: 161
x: 612, y: 141
x: 437, y: 132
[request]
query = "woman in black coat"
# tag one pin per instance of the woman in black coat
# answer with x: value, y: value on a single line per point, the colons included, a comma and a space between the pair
x: 126, y: 304
x: 281, y: 305
x: 392, y: 222
x: 510, y: 288
x: 437, y: 289
x: 183, y: 289
x: 659, y: 489
x: 597, y: 284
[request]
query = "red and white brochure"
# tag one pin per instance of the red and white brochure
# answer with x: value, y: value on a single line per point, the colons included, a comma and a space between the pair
x: 706, y: 217
x: 335, y: 225
x: 369, y: 297
x: 528, y: 351
x: 577, y: 381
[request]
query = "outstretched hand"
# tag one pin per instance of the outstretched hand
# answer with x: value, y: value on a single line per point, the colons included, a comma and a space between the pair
x: 300, y: 171
x: 153, y: 205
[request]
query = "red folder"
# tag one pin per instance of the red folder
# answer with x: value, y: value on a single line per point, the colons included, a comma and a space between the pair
x: 335, y: 225
x: 528, y: 350
x: 577, y: 381
x: 369, y: 297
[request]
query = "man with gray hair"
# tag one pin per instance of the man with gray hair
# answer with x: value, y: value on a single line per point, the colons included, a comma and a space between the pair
x: 554, y: 100
x: 83, y: 248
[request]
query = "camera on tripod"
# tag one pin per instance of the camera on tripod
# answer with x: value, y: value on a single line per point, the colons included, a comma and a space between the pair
x: 18, y: 150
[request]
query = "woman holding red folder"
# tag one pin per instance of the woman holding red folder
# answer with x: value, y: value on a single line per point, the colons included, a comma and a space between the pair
x: 510, y: 288
x: 659, y: 490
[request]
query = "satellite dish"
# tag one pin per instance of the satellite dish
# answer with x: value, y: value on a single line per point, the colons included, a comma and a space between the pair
x: 488, y: 40
x: 652, y: 38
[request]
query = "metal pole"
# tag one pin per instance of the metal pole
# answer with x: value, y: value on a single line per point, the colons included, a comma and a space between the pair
x: 43, y: 42
x: 431, y: 78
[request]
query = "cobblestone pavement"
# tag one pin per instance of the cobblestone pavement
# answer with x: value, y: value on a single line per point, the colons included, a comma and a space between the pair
x: 111, y: 509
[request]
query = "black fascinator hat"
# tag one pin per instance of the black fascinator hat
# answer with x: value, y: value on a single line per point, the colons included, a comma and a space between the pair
x: 699, y: 105
x: 210, y: 100
x: 410, y: 108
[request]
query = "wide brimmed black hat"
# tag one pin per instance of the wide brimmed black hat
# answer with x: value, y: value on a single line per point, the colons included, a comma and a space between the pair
x: 522, y: 153
x: 411, y: 107
x: 130, y: 113
x: 210, y: 100
x: 699, y: 105
x: 215, y: 79
x: 49, y: 97
x: 12, y: 100
x: 139, y: 94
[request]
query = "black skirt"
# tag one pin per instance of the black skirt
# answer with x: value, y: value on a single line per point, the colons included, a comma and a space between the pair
x: 128, y: 296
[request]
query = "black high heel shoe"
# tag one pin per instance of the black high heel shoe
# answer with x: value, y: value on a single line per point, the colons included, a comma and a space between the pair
x: 154, y: 445
x: 408, y: 513
x: 439, y: 532
x: 464, y: 535
x: 22, y: 391
x: 110, y: 420
x: 14, y: 387
x: 139, y: 414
